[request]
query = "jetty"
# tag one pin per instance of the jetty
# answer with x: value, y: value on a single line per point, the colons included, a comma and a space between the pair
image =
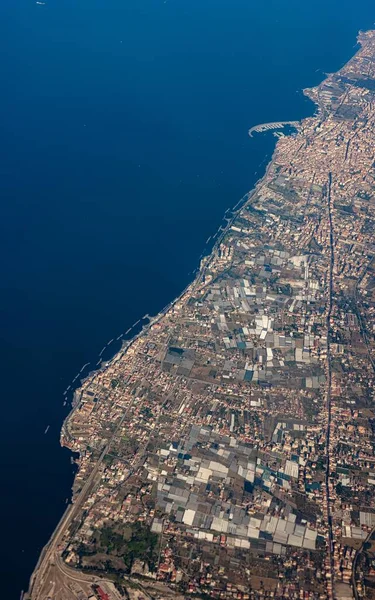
x: 269, y: 126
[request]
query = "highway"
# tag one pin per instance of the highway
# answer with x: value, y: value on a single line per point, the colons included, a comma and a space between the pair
x: 37, y: 580
x: 147, y: 587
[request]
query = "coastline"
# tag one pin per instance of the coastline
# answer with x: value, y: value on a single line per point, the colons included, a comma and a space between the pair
x: 205, y: 262
x: 153, y: 320
x: 129, y: 343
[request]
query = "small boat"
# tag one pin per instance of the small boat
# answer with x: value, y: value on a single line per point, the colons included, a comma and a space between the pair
x: 46, y: 430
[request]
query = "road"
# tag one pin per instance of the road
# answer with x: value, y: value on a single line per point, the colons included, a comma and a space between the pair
x: 355, y: 561
x: 37, y: 580
x: 147, y: 587
x: 328, y: 389
x: 38, y: 577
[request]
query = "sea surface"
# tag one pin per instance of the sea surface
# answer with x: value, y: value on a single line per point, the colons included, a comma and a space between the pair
x: 123, y: 140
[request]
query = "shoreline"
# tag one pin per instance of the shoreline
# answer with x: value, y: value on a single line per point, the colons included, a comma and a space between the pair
x: 205, y: 259
x: 118, y: 355
x: 204, y: 264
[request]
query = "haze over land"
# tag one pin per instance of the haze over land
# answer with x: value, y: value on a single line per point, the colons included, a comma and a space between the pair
x: 93, y: 241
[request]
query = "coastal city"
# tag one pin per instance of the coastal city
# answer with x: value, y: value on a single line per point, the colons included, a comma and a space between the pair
x: 227, y: 451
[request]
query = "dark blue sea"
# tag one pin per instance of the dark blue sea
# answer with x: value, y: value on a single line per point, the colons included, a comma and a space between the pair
x: 123, y: 139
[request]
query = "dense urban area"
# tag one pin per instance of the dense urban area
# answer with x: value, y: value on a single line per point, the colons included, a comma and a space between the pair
x: 228, y: 450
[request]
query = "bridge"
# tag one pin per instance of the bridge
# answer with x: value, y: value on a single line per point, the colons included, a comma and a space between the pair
x: 269, y: 126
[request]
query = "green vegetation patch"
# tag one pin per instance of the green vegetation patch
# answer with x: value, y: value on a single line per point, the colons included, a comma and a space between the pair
x: 136, y: 541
